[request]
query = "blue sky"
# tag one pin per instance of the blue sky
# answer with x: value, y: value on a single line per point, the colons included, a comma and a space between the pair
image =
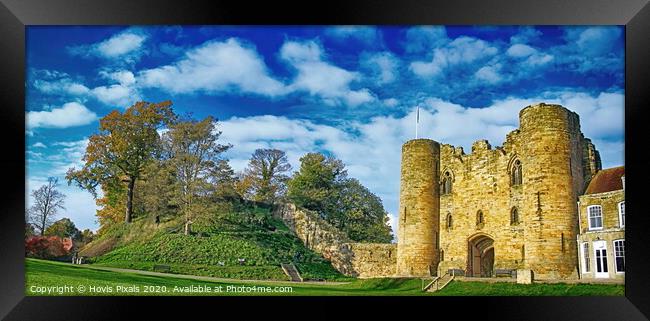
x: 349, y: 91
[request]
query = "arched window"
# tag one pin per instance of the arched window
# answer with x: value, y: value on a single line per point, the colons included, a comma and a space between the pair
x: 479, y: 218
x: 450, y: 223
x: 446, y: 183
x: 514, y: 216
x: 515, y: 175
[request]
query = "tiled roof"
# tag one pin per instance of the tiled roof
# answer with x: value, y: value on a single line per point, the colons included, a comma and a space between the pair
x: 606, y: 180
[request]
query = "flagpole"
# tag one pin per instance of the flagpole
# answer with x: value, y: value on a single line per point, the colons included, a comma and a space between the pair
x: 417, y: 122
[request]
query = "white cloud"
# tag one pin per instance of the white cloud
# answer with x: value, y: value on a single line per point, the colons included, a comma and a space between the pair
x: 213, y: 67
x: 383, y: 65
x: 116, y: 95
x: 425, y: 38
x: 120, y: 44
x: 460, y: 51
x: 124, y: 47
x: 362, y: 33
x: 123, y: 77
x: 299, y: 52
x: 390, y: 102
x: 520, y: 50
x: 592, y: 49
x: 319, y: 78
x: 61, y: 86
x: 595, y: 40
x: 489, y: 74
x: 39, y: 145
x: 69, y: 115
x: 531, y: 56
x: 122, y: 94
x: 526, y: 34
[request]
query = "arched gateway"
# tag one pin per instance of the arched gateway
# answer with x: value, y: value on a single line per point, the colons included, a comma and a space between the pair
x: 480, y: 258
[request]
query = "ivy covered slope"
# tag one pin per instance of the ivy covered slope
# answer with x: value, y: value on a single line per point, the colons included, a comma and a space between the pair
x: 211, y: 250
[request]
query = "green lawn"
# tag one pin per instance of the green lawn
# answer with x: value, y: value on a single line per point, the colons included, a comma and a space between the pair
x: 457, y: 288
x: 43, y: 274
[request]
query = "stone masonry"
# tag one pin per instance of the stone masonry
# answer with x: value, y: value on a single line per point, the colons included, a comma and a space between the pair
x: 531, y: 225
x: 419, y: 208
x: 495, y: 210
x: 362, y: 260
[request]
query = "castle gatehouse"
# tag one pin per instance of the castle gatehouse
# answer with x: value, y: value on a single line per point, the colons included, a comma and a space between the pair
x: 496, y: 210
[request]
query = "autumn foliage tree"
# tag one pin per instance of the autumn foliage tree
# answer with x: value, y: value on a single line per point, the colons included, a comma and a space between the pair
x: 63, y: 228
x: 265, y: 177
x: 193, y: 155
x: 118, y: 155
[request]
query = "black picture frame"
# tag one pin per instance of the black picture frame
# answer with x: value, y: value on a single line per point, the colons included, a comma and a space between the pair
x: 16, y: 14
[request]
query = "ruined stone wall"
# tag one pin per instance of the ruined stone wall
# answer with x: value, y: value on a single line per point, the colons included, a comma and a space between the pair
x: 371, y: 260
x: 364, y: 260
x: 417, y: 250
x: 557, y: 161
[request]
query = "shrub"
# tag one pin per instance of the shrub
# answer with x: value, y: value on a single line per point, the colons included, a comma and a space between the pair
x: 46, y: 247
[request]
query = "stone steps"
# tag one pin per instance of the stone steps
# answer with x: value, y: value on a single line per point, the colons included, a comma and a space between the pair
x: 291, y: 271
x: 439, y: 283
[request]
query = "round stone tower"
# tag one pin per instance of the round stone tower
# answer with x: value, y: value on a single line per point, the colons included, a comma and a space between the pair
x: 551, y: 164
x: 419, y: 217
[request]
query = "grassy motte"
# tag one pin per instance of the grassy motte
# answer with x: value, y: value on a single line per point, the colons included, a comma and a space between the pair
x: 214, y: 250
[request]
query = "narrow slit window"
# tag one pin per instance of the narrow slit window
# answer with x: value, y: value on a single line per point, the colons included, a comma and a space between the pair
x: 514, y: 216
x: 516, y: 177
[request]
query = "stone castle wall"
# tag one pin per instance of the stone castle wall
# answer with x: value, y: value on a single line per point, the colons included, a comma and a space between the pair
x: 556, y: 161
x: 419, y: 209
x: 364, y: 260
x: 372, y: 260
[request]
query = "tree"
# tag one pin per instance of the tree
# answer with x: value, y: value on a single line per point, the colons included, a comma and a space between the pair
x: 29, y: 230
x: 157, y: 190
x: 322, y: 185
x: 63, y: 228
x: 47, y: 201
x: 264, y: 180
x: 314, y: 185
x: 194, y: 156
x: 225, y: 181
x: 120, y: 152
x: 87, y: 236
x: 361, y: 214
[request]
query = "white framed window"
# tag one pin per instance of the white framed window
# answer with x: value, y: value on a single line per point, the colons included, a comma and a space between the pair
x: 619, y: 255
x: 595, y: 216
x: 621, y: 214
x: 585, y: 258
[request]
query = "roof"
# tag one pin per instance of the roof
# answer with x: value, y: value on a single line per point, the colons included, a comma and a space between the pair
x: 606, y: 180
